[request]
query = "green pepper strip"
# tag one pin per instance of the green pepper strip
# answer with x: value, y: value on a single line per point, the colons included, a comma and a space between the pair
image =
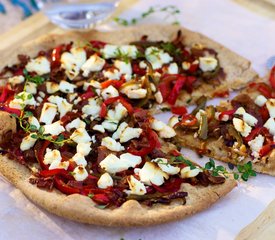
x: 201, y: 102
x: 233, y: 132
x: 203, y: 130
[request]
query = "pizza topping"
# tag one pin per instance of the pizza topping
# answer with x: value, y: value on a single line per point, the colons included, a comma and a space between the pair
x: 59, y: 165
x: 40, y: 65
x: 111, y: 144
x: 76, y: 123
x: 208, y: 64
x: 256, y: 145
x: 152, y: 174
x: 93, y: 64
x: 16, y: 80
x: 27, y: 142
x: 52, y: 156
x: 260, y: 100
x: 270, y: 125
x: 72, y: 61
x: 66, y: 87
x: 157, y: 57
x: 48, y: 113
x: 136, y: 186
x: 165, y: 167
x: 187, y: 172
x: 270, y: 104
x: 80, y: 135
x: 105, y: 181
x: 241, y: 127
x: 113, y: 164
x: 80, y: 173
x: 21, y: 100
x: 83, y: 148
x: 52, y: 87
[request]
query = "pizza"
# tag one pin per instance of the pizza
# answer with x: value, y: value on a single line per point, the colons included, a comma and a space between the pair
x: 237, y: 131
x: 77, y: 133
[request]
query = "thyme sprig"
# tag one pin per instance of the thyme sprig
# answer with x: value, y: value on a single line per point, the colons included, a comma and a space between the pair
x: 170, y: 10
x: 35, y: 79
x: 243, y: 171
x: 37, y: 133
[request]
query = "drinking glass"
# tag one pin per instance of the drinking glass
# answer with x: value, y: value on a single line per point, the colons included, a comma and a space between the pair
x: 73, y: 14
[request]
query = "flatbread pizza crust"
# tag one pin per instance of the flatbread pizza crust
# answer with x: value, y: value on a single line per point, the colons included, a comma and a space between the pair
x: 82, y: 209
x: 237, y: 68
x: 215, y: 148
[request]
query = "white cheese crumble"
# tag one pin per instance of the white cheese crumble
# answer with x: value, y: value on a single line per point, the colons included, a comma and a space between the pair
x: 27, y: 142
x: 270, y: 125
x: 105, y: 181
x: 112, y: 144
x: 31, y: 87
x: 187, y: 172
x: 165, y: 167
x: 79, y: 159
x: 270, y: 104
x: 48, y: 113
x: 21, y: 100
x: 150, y: 174
x: 208, y: 63
x: 66, y: 87
x: 260, y: 100
x: 173, y: 68
x: 80, y: 173
x: 157, y: 57
x: 241, y: 127
x: 123, y: 67
x: 62, y: 104
x: 34, y: 121
x: 76, y: 123
x: 40, y: 65
x: 129, y: 133
x: 52, y: 87
x: 83, y: 148
x: 16, y: 80
x: 93, y: 64
x: 112, y: 74
x: 109, y: 92
x: 51, y: 156
x: 72, y: 62
x: 136, y: 186
x: 80, y: 135
x: 255, y: 145
x: 54, y: 129
x: 163, y: 130
x: 113, y: 164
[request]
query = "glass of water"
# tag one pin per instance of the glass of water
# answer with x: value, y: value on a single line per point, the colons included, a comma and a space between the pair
x: 75, y: 14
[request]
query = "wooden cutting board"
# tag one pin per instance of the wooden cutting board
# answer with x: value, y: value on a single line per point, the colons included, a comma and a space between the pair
x: 38, y: 25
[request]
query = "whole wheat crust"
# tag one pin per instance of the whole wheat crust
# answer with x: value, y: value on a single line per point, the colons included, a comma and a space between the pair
x: 131, y: 213
x: 236, y: 68
x: 82, y: 209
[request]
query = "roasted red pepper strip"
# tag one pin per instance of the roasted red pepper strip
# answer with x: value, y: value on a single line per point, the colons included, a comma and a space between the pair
x: 63, y: 187
x: 56, y: 56
x: 103, y: 110
x: 40, y: 154
x: 114, y: 83
x: 272, y: 77
x: 127, y: 105
x: 88, y: 94
x: 11, y: 110
x: 152, y: 140
x: 228, y: 113
x: 263, y: 88
x: 172, y: 98
x: 179, y: 110
x: 101, y: 198
x: 52, y: 172
x: 255, y: 132
x: 169, y: 187
x: 221, y: 94
x: 164, y: 86
x: 4, y: 94
x: 97, y: 44
x: 266, y: 149
x: 264, y: 113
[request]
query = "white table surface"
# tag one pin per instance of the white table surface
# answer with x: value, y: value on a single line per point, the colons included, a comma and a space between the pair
x: 250, y: 35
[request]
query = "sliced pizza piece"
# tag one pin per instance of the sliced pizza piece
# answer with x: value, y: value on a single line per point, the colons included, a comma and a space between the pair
x: 237, y: 131
x: 154, y: 67
x: 74, y: 149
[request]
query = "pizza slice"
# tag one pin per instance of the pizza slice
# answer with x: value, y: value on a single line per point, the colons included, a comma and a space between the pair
x: 75, y: 158
x: 153, y: 67
x: 237, y: 131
